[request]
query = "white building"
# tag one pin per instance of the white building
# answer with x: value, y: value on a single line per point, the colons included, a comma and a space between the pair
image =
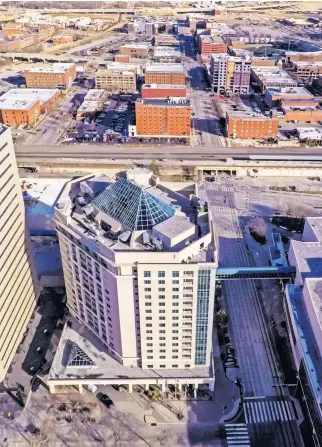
x: 303, y: 306
x: 140, y: 286
x: 18, y: 282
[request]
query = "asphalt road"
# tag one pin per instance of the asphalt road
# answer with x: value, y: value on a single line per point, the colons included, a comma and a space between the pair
x: 90, y: 152
x: 249, y: 335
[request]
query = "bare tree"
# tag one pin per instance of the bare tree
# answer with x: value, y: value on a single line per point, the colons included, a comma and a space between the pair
x: 165, y: 439
x: 258, y: 225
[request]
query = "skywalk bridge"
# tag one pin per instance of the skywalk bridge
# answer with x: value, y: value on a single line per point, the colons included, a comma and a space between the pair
x: 285, y: 272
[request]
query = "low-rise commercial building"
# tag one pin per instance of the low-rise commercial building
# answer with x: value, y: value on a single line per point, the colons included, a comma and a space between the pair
x: 169, y: 40
x: 299, y: 56
x: 165, y: 74
x: 301, y: 110
x: 230, y: 74
x: 307, y: 71
x: 24, y: 106
x: 163, y: 117
x: 92, y: 103
x: 62, y: 39
x: 167, y: 54
x: 163, y: 91
x: 57, y: 76
x: 274, y: 95
x: 116, y: 80
x: 309, y: 133
x: 135, y: 49
x: 208, y: 45
x: 250, y: 125
x: 267, y: 77
x: 303, y: 310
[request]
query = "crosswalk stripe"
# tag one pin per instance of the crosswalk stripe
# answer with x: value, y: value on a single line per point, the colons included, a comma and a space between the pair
x: 266, y: 415
x: 278, y: 405
x: 259, y: 411
x: 237, y: 435
x: 271, y: 406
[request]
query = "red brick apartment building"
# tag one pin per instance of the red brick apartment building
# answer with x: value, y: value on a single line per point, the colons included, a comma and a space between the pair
x: 165, y: 74
x: 163, y: 91
x: 59, y: 75
x: 247, y: 125
x: 137, y: 50
x: 160, y: 117
x: 211, y: 45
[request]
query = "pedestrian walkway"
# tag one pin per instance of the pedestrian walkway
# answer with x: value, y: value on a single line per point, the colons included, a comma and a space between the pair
x: 259, y: 410
x: 237, y: 435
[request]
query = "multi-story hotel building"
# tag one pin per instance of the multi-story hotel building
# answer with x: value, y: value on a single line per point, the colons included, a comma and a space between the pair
x: 140, y: 287
x: 163, y: 117
x: 230, y: 74
x: 18, y: 282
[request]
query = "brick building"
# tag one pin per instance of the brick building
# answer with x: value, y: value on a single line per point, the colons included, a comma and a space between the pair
x: 62, y: 39
x: 307, y: 71
x: 168, y: 40
x: 11, y: 29
x: 163, y: 117
x: 57, y: 76
x: 208, y: 45
x: 124, y: 58
x: 23, y: 106
x: 135, y: 49
x: 248, y: 125
x: 165, y: 74
x: 267, y: 77
x: 116, y: 79
x: 297, y: 56
x: 301, y: 110
x: 274, y: 96
x: 163, y: 91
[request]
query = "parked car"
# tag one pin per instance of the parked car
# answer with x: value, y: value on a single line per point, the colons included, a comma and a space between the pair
x: 107, y: 401
x: 36, y: 382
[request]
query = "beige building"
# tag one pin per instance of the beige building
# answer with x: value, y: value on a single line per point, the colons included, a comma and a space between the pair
x: 116, y: 79
x: 140, y: 283
x: 18, y: 282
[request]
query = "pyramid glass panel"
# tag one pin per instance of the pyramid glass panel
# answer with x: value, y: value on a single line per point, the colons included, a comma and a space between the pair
x: 131, y: 205
x: 78, y: 357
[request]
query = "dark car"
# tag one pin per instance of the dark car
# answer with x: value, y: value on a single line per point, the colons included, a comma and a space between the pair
x: 35, y: 384
x: 107, y: 401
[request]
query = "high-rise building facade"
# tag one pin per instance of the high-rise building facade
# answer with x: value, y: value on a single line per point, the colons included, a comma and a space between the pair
x: 139, y: 276
x: 230, y: 74
x: 19, y: 288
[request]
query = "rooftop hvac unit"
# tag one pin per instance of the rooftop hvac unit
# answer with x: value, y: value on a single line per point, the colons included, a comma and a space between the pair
x: 124, y: 237
x: 146, y: 238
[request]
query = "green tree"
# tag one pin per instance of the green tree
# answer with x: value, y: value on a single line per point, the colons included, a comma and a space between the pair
x: 221, y: 318
x: 155, y: 168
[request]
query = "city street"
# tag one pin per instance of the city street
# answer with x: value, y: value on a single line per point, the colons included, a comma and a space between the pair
x: 248, y: 330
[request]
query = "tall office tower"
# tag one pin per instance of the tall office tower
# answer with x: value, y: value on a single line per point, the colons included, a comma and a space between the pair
x: 139, y: 275
x: 230, y: 74
x: 19, y: 288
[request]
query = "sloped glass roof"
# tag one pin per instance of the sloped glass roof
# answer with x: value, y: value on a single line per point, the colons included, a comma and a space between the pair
x: 133, y: 206
x: 78, y: 358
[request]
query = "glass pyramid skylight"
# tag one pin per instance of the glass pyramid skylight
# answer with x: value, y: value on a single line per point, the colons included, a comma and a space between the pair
x: 78, y: 358
x: 133, y: 206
